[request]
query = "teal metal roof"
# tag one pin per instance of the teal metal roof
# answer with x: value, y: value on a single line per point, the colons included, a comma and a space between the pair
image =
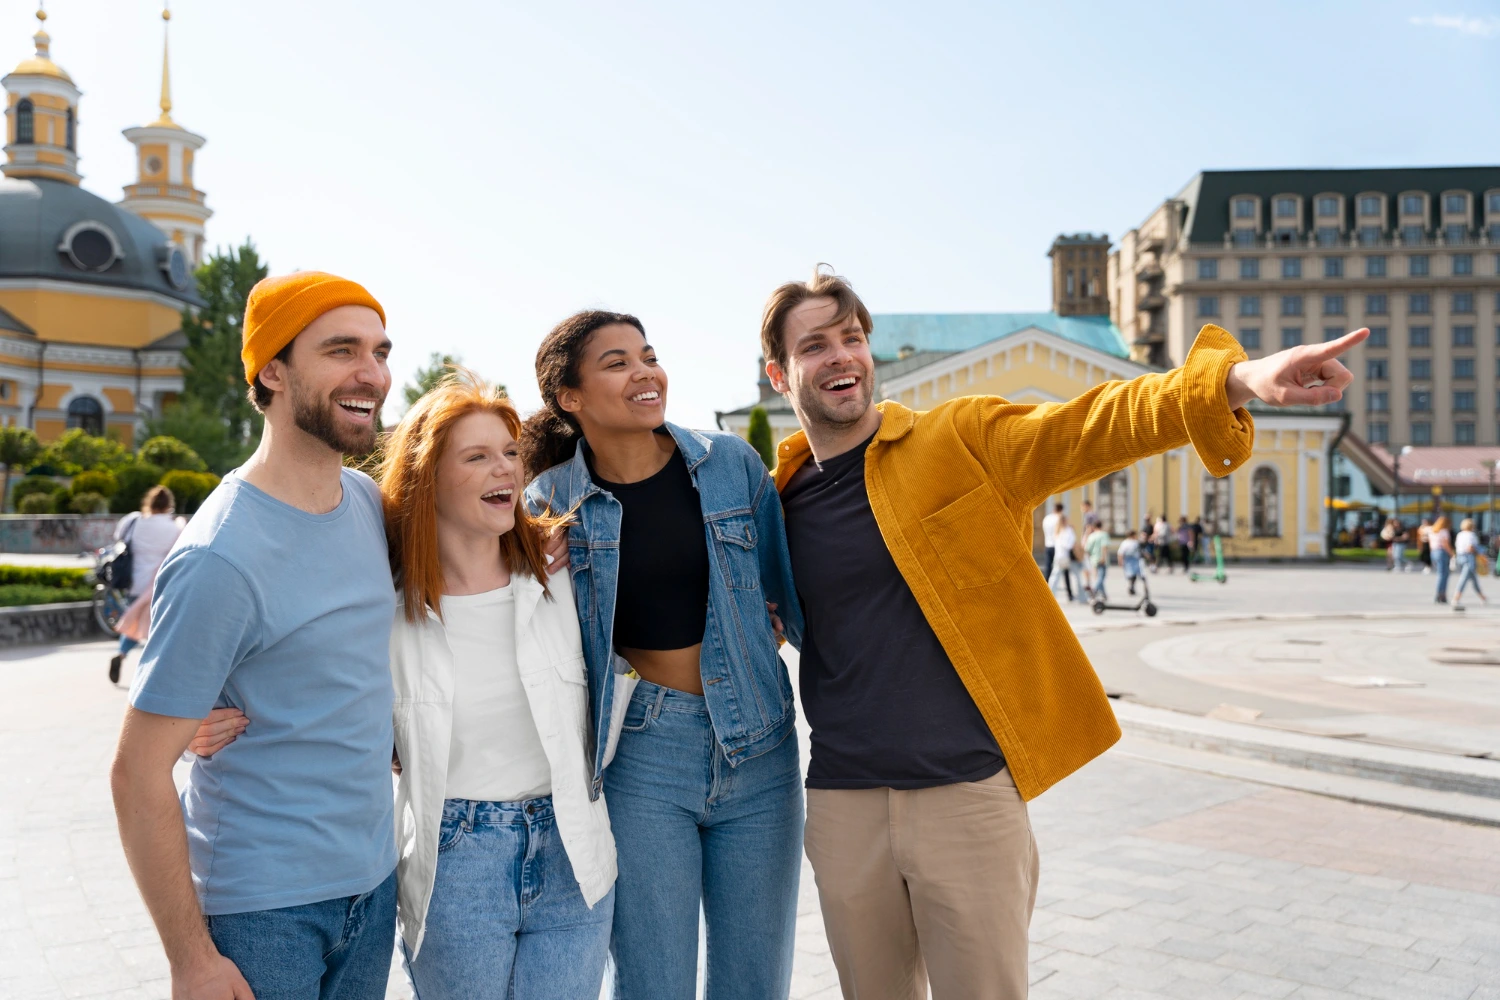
x: 961, y: 331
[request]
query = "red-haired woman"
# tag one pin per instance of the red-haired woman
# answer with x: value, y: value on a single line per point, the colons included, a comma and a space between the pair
x: 505, y: 883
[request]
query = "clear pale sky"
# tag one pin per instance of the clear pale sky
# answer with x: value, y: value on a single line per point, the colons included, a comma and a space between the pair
x: 487, y: 168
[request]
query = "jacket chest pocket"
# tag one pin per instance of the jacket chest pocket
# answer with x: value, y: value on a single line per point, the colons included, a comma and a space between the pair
x: 566, y: 714
x: 970, y: 538
x: 735, y: 540
x: 583, y: 581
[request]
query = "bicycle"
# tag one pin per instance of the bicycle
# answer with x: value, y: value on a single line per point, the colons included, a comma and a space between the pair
x: 109, y: 601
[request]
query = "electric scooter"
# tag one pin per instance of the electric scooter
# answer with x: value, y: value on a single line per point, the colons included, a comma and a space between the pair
x: 1219, y: 573
x: 1100, y: 605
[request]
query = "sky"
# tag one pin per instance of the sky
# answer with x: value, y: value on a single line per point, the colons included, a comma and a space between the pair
x: 488, y: 168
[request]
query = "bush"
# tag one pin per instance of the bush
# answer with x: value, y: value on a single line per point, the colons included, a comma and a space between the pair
x: 88, y: 503
x: 38, y: 503
x: 34, y: 484
x: 190, y: 488
x: 100, y: 481
x: 134, y: 480
x: 76, y: 451
x: 45, y: 576
x: 16, y: 595
x: 170, y: 453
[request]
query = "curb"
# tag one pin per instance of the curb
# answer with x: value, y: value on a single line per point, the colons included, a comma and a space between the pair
x: 1086, y: 627
x: 1479, y: 777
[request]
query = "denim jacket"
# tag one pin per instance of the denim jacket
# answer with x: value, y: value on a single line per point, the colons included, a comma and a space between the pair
x: 744, y: 681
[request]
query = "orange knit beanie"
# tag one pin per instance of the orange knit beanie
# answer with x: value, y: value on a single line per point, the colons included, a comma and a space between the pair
x: 280, y: 308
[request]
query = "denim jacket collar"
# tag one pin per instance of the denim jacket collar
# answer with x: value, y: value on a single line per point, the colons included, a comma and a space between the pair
x: 694, y: 447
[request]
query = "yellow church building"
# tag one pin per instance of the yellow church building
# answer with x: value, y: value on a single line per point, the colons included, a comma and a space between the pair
x: 1272, y: 507
x: 91, y: 293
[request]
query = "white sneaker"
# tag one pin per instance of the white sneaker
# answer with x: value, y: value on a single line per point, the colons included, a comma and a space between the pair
x: 1458, y: 607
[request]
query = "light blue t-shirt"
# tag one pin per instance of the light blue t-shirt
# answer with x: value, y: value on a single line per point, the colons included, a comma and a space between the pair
x: 287, y: 616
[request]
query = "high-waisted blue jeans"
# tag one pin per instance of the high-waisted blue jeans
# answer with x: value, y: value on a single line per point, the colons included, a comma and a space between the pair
x: 507, y: 920
x: 694, y: 832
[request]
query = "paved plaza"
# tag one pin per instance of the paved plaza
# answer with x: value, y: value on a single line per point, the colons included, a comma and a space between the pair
x: 1156, y: 881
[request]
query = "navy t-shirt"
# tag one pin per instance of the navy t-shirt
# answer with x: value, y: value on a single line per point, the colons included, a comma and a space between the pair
x: 886, y: 707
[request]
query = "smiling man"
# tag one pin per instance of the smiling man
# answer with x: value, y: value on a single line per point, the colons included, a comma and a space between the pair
x: 275, y: 873
x: 942, y: 683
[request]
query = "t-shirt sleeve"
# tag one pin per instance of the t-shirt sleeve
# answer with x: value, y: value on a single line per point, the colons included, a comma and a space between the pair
x: 204, y: 622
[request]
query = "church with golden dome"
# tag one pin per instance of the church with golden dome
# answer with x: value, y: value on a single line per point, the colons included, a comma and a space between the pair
x: 92, y: 292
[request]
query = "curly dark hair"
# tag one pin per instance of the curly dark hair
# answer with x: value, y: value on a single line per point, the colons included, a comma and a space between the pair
x: 550, y: 435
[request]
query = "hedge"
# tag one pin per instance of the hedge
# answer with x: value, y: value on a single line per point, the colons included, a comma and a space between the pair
x: 44, y: 576
x: 14, y: 595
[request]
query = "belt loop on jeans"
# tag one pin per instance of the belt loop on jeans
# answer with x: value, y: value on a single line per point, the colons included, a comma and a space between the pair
x: 469, y: 820
x: 661, y: 696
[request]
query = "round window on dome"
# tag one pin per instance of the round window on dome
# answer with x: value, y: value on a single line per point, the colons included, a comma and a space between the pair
x: 91, y: 246
x: 153, y: 164
x: 175, y: 266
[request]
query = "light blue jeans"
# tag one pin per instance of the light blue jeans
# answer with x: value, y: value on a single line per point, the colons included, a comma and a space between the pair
x: 1440, y: 567
x: 336, y: 949
x: 1468, y: 572
x: 694, y: 832
x: 507, y: 920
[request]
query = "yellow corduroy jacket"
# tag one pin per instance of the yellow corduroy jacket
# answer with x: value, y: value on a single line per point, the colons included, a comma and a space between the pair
x: 953, y: 488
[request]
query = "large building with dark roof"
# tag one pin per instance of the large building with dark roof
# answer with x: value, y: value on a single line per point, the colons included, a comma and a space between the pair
x: 92, y: 294
x: 1284, y: 257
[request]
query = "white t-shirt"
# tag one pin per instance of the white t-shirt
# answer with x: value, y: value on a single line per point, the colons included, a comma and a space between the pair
x: 1064, y: 541
x: 1049, y: 530
x: 495, y: 754
x: 151, y: 538
x: 1130, y: 549
x: 1466, y: 542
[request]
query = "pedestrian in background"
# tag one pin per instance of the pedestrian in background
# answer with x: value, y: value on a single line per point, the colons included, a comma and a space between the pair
x: 1130, y: 560
x: 1063, y: 541
x: 1148, y: 551
x: 1049, y: 539
x: 1395, y: 538
x: 1089, y: 517
x: 1161, y: 544
x: 1185, y: 542
x: 150, y: 533
x: 1466, y: 554
x: 1096, y: 558
x: 1197, y: 526
x: 1440, y: 543
x: 1424, y: 544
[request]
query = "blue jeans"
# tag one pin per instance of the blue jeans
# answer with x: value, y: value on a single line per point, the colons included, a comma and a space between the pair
x: 506, y: 918
x: 336, y: 949
x: 692, y: 831
x: 1440, y: 567
x: 1468, y: 572
x: 1099, y: 571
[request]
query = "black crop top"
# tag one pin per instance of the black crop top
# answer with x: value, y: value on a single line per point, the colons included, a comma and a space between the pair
x: 661, y: 598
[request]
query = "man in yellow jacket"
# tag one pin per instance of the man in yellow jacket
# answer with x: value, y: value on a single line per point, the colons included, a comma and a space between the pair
x: 942, y: 683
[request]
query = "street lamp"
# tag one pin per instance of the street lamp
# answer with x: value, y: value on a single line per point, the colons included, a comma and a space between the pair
x: 1396, y: 472
x: 1489, y: 520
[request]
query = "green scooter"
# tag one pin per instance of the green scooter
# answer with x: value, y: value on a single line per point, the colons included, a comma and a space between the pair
x: 1219, y: 573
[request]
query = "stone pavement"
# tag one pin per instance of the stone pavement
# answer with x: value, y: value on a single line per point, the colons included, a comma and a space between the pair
x: 1156, y: 882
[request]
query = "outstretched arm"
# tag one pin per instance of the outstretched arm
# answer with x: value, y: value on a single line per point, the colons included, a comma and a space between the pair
x: 1035, y: 451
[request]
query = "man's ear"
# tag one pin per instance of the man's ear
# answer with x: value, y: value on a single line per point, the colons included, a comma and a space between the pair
x: 273, y: 375
x: 778, y: 377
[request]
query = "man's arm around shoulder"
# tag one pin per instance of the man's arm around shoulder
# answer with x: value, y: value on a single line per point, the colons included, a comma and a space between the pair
x: 155, y: 841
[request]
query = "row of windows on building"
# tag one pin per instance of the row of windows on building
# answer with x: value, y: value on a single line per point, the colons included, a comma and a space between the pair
x: 1380, y: 336
x: 1112, y: 504
x: 1418, y: 369
x: 1418, y: 265
x: 1420, y: 432
x: 1421, y: 401
x: 1328, y: 206
x: 1376, y: 304
x: 1455, y: 233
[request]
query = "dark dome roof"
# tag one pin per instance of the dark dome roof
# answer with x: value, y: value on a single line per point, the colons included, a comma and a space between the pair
x: 35, y: 214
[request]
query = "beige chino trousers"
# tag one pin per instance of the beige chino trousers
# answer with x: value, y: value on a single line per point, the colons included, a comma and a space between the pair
x: 925, y: 885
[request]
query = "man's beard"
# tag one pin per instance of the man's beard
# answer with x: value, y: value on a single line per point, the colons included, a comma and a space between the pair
x: 316, y: 417
x: 810, y: 402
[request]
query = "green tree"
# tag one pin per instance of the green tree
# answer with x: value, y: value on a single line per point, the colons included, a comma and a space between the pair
x: 100, y: 481
x: 201, y: 431
x: 88, y: 503
x: 760, y: 436
x: 189, y: 488
x: 214, y: 375
x: 38, y: 485
x: 134, y: 480
x: 18, y: 449
x: 427, y: 376
x: 77, y: 450
x: 37, y: 503
x: 170, y: 453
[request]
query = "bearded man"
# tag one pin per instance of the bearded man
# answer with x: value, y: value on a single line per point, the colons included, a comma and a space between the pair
x: 942, y: 683
x: 275, y: 873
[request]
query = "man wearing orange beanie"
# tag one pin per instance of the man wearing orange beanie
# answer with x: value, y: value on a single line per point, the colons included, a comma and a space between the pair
x: 275, y: 873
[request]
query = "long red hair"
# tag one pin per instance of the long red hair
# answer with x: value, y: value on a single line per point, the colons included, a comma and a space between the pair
x: 408, y: 488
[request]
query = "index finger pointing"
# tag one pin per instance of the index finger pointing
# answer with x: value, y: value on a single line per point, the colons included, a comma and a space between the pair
x: 1334, y: 348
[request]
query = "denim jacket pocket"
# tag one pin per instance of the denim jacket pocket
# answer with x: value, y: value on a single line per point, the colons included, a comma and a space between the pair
x: 955, y: 532
x: 735, y: 536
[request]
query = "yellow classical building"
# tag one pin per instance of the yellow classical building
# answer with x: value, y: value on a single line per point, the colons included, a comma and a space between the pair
x: 1271, y: 508
x: 91, y: 293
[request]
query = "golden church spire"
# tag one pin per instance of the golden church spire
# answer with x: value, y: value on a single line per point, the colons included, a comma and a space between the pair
x: 166, y: 72
x: 42, y: 112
